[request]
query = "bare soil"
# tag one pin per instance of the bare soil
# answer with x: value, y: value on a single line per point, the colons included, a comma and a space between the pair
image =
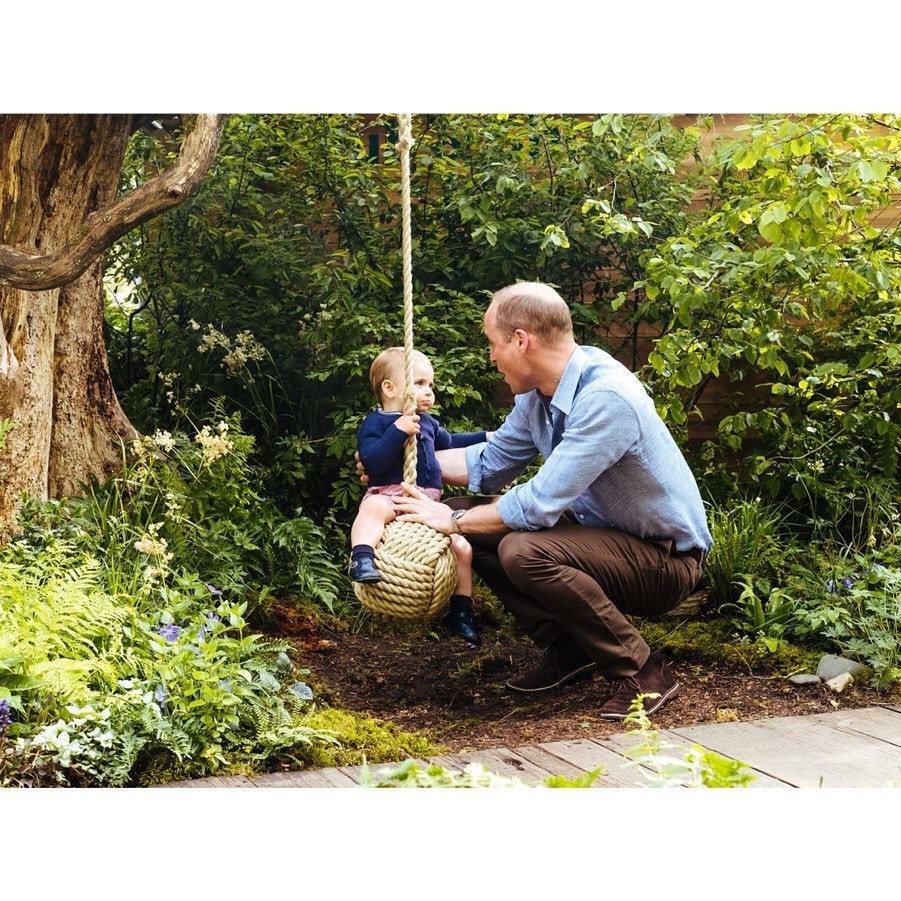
x: 423, y: 681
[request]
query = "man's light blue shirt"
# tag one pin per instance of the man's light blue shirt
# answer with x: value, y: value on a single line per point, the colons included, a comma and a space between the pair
x: 608, y: 458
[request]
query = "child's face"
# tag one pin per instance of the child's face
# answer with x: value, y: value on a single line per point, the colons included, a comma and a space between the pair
x: 423, y: 389
x: 423, y: 386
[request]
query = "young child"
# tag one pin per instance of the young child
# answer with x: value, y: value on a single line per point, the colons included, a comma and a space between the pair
x: 380, y: 443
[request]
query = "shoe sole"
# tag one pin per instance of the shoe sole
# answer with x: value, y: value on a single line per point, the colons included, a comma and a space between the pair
x: 658, y: 703
x: 366, y: 579
x: 580, y: 673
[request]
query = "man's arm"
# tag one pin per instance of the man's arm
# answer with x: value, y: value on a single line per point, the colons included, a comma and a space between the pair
x: 452, y: 462
x: 482, y: 519
x: 453, y: 466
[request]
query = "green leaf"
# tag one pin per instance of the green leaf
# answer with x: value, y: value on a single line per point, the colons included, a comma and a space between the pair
x: 20, y: 683
x: 770, y: 224
x: 747, y: 158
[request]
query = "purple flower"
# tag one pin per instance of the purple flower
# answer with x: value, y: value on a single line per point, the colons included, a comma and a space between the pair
x: 160, y: 696
x: 847, y: 582
x: 207, y: 627
x: 214, y: 590
x: 5, y: 715
x: 169, y: 631
x: 830, y: 586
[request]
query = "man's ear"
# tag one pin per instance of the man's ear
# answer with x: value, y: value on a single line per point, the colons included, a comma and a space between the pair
x: 521, y: 336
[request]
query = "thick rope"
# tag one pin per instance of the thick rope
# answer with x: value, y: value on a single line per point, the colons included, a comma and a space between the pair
x: 417, y: 563
x: 404, y: 144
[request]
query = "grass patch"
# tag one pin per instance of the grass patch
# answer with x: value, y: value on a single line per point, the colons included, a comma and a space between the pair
x: 702, y: 640
x: 360, y: 736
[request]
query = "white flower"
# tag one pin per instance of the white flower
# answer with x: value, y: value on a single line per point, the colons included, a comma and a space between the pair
x: 212, y: 339
x: 152, y: 545
x: 246, y: 349
x: 150, y: 575
x: 163, y: 440
x: 214, y: 446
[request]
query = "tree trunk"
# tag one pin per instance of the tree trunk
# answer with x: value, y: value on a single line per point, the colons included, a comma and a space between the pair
x: 59, y: 178
x: 88, y: 426
x: 54, y: 376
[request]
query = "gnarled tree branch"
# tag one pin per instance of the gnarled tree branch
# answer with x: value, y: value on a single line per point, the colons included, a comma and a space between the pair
x: 40, y: 272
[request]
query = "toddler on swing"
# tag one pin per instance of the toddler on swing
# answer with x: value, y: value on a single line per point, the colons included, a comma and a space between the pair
x: 380, y: 445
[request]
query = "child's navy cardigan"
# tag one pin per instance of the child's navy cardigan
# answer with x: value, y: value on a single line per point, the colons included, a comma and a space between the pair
x: 381, y: 448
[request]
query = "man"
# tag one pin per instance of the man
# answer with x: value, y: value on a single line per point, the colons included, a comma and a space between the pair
x: 612, y: 522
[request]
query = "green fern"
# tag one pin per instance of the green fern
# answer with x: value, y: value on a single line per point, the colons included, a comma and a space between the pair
x: 67, y: 629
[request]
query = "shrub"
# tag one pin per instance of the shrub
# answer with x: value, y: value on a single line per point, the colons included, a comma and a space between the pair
x: 745, y: 544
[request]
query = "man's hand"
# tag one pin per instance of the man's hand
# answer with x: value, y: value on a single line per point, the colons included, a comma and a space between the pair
x: 416, y: 507
x: 364, y: 479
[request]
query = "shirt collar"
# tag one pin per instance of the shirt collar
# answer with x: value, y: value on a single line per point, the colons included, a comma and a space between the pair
x: 566, y: 388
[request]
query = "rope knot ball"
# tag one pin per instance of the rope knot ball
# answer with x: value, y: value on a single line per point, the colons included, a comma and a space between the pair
x: 418, y: 570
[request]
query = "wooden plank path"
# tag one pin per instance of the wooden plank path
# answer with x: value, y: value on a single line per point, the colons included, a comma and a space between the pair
x: 842, y: 749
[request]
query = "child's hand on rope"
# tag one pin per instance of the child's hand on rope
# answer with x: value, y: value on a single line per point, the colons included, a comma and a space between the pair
x: 408, y: 422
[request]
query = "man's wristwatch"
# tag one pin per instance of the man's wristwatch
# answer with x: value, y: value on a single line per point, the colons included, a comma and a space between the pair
x: 456, y: 516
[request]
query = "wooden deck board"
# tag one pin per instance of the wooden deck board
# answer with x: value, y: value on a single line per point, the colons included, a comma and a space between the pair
x: 211, y: 782
x: 550, y: 763
x: 622, y: 743
x: 502, y: 761
x: 883, y: 723
x: 845, y: 748
x: 320, y: 777
x: 809, y: 752
x: 587, y: 754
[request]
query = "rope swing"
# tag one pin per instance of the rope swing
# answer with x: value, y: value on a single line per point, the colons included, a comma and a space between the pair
x: 417, y: 563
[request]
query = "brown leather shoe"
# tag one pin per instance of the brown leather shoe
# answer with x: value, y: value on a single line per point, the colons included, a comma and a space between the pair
x: 654, y: 678
x: 564, y: 661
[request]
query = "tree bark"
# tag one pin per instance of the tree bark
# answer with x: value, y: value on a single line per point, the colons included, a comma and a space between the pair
x: 59, y: 177
x: 102, y: 227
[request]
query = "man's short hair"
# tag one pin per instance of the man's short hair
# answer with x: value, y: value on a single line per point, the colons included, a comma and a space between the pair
x: 389, y: 364
x: 535, y: 307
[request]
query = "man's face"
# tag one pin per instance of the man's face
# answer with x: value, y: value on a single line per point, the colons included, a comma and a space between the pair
x: 505, y: 352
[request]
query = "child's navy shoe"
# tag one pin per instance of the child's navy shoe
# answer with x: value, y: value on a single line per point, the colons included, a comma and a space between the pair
x: 460, y: 622
x: 363, y: 569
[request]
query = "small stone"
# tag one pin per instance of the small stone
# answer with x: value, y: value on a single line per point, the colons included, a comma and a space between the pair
x: 840, y: 682
x: 804, y: 679
x: 831, y: 666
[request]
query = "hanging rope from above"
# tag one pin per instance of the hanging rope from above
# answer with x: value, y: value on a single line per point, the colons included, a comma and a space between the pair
x: 417, y: 563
